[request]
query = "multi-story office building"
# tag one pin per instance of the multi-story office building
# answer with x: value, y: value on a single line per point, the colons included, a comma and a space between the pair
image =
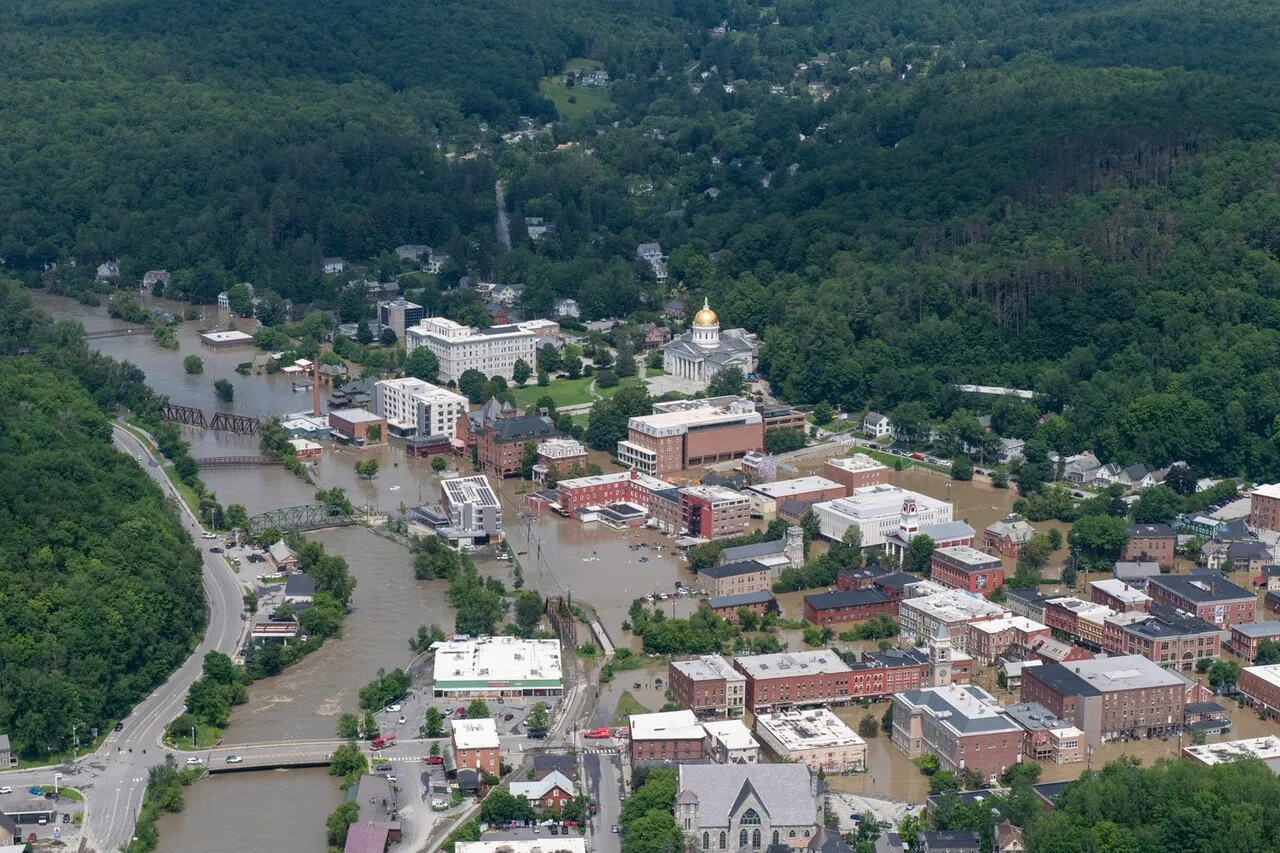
x: 475, y: 513
x: 794, y: 679
x: 878, y: 512
x: 413, y: 407
x: 1264, y: 507
x: 398, y: 315
x: 920, y: 617
x: 714, y: 512
x: 1207, y: 594
x: 966, y: 568
x: 672, y: 440
x: 492, y: 351
x: 856, y: 471
x: 815, y: 737
x: 963, y: 725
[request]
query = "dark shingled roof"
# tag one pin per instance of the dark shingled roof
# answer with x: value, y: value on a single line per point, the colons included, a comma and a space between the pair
x: 846, y: 598
x: 729, y: 570
x: 523, y: 428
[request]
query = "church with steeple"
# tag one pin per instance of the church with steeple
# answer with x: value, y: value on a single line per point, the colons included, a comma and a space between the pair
x: 705, y: 350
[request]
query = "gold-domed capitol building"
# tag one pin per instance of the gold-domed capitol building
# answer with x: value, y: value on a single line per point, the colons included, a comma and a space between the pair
x: 705, y: 350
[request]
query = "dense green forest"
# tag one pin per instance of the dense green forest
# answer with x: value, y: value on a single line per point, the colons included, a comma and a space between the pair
x: 100, y: 594
x: 1071, y: 196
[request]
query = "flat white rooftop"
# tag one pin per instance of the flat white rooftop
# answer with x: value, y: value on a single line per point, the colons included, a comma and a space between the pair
x: 1015, y: 623
x: 476, y: 734
x: 227, y: 337
x: 1125, y: 672
x: 965, y: 556
x: 1265, y: 748
x: 869, y: 502
x: 781, y: 489
x: 708, y: 668
x: 355, y: 416
x: 791, y: 664
x: 816, y: 728
x: 954, y: 605
x: 497, y: 660
x: 666, y: 725
x: 716, y: 494
x: 676, y: 423
x: 1270, y: 673
x: 640, y: 479
x: 857, y: 462
x: 1120, y: 591
x: 1268, y: 490
x: 734, y: 734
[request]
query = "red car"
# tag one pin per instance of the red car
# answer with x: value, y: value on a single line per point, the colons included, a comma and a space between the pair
x: 596, y: 734
x: 433, y: 759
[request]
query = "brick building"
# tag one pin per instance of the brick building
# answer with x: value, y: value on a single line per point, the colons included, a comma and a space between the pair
x: 1109, y: 697
x: 1076, y: 618
x: 476, y: 746
x: 1119, y: 596
x: 1173, y: 639
x: 815, y: 737
x: 1151, y: 542
x: 966, y: 568
x: 606, y: 489
x: 1047, y: 739
x: 697, y: 434
x: 708, y: 686
x: 500, y: 447
x: 358, y: 427
x: 728, y: 607
x: 714, y: 512
x: 1247, y: 636
x: 1007, y: 536
x: 1208, y: 595
x: 856, y: 471
x: 559, y: 455
x: 666, y: 736
x: 735, y: 578
x: 794, y: 679
x: 879, y: 675
x: 1260, y: 687
x: 963, y: 726
x: 548, y: 793
x: 1264, y: 507
x: 836, y: 608
x: 988, y: 639
x: 920, y: 616
x: 863, y: 578
x: 798, y: 489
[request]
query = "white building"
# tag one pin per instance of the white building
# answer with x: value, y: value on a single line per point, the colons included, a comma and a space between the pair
x: 651, y: 253
x: 497, y: 666
x: 704, y: 351
x: 920, y: 617
x: 877, y: 425
x: 475, y: 513
x: 877, y: 512
x: 815, y: 737
x: 492, y: 351
x: 333, y: 266
x: 730, y: 742
x: 413, y: 407
x: 567, y: 308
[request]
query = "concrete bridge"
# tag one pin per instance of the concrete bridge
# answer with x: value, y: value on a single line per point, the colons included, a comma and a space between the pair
x: 265, y: 756
x: 115, y: 333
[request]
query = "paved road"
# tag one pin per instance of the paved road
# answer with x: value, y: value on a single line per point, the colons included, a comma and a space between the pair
x: 113, y: 778
x: 603, y: 784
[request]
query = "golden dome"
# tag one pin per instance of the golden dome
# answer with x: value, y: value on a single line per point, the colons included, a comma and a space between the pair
x: 706, y: 317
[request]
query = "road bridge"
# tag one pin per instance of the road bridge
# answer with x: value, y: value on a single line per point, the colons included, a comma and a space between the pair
x: 269, y: 756
x: 299, y: 518
x: 116, y: 333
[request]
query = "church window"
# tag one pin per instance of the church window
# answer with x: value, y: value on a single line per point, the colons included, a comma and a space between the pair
x: 706, y: 840
x: 742, y: 838
x: 751, y: 818
x: 755, y: 840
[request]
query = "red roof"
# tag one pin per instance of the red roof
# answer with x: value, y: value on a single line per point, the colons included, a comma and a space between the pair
x: 362, y: 838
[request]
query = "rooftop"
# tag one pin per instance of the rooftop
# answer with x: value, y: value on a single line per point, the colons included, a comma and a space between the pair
x: 1201, y: 589
x: 487, y: 659
x: 1136, y: 569
x: 1033, y: 716
x: 707, y: 668
x: 715, y: 494
x: 954, y: 605
x: 1146, y: 531
x: 816, y: 728
x: 734, y: 734
x: 1120, y: 591
x: 787, y: 664
x: 965, y: 558
x: 964, y: 709
x: 742, y: 599
x: 1263, y: 748
x: 574, y: 844
x: 1006, y: 623
x: 679, y: 422
x: 846, y: 598
x: 474, y: 490
x: 729, y: 570
x: 355, y: 416
x: 870, y: 502
x: 1270, y: 673
x: 476, y: 734
x: 221, y: 337
x: 1097, y: 676
x: 643, y: 480
x: 1248, y: 629
x: 857, y: 462
x: 1268, y: 490
x: 756, y: 549
x: 782, y: 489
x: 666, y: 725
x: 523, y: 428
x: 787, y: 791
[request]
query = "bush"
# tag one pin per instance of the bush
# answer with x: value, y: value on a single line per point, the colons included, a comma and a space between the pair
x: 606, y: 379
x: 193, y: 365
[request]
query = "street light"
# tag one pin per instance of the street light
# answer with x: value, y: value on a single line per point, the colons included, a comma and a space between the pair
x: 56, y: 777
x: 75, y: 741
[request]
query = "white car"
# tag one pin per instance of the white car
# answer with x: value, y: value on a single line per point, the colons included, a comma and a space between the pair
x: 403, y: 719
x: 234, y: 759
x: 193, y: 761
x: 439, y: 804
x: 208, y: 536
x: 393, y: 708
x: 6, y: 790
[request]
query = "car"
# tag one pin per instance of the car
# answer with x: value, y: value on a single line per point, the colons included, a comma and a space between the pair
x: 614, y: 829
x: 508, y: 717
x: 403, y: 719
x: 555, y: 830
x: 592, y: 808
x: 536, y: 830
x: 501, y: 701
x: 208, y: 536
x: 66, y: 817
x: 434, y: 759
x: 51, y: 795
x: 596, y: 734
x: 215, y: 550
x: 42, y: 821
x: 459, y: 713
x: 537, y: 734
x: 6, y: 790
x: 393, y: 708
x: 439, y: 804
x: 119, y: 727
x: 382, y: 768
x: 234, y: 759
x: 35, y: 791
x: 194, y: 761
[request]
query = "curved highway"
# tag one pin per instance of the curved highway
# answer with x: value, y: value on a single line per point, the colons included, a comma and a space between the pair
x: 113, y: 778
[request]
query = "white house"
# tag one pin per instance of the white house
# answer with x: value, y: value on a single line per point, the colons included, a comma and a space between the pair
x: 108, y: 271
x: 334, y: 266
x: 567, y: 308
x: 877, y: 425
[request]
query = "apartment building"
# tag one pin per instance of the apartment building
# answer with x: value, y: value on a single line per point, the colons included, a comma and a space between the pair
x: 493, y: 351
x: 1119, y: 596
x: 413, y: 407
x: 879, y: 675
x: 966, y: 568
x: 714, y: 512
x: 1247, y: 636
x: 1151, y: 542
x: 1207, y: 594
x: 666, y: 736
x: 708, y: 686
x: 988, y: 639
x: 840, y: 607
x: 1264, y: 507
x: 500, y: 448
x: 1260, y: 687
x: 559, y: 455
x: 735, y: 578
x: 794, y: 679
x: 398, y: 315
x: 476, y: 746
x: 1173, y: 639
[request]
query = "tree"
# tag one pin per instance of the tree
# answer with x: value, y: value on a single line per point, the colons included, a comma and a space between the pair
x: 471, y: 384
x: 271, y: 310
x: 193, y: 365
x: 528, y: 610
x: 348, y: 726
x: 369, y: 725
x: 544, y: 379
x: 423, y: 364
x: 1098, y: 539
x: 1224, y: 674
x: 607, y: 379
x: 919, y: 555
x: 224, y: 391
x: 387, y: 337
x: 1268, y: 653
x: 539, y: 719
x: 1157, y: 505
x: 434, y: 722
x: 237, y: 517
x: 1055, y: 538
x: 748, y: 620
x: 1035, y: 553
x: 823, y: 413
x: 438, y: 464
x: 367, y: 468
x: 364, y: 335
x: 729, y: 381
x: 501, y: 806
x: 962, y: 468
x: 548, y: 358
x: 528, y: 459
x: 783, y: 440
x: 521, y: 372
x: 626, y: 363
x: 478, y: 710
x: 1181, y: 480
x: 869, y: 726
x: 240, y: 300
x: 339, y: 823
x: 573, y: 366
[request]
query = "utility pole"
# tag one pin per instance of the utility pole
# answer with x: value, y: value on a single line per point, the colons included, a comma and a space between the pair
x: 193, y: 737
x: 75, y: 743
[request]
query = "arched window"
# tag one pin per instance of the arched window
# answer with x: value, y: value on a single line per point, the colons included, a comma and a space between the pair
x: 806, y: 833
x: 791, y: 834
x: 724, y: 841
x: 751, y: 818
x: 755, y: 839
x: 775, y: 836
x: 706, y: 840
x: 742, y: 838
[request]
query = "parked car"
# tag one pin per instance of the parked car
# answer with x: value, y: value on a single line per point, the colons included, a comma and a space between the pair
x: 434, y: 759
x: 382, y: 768
x: 614, y: 829
x: 459, y: 713
x: 555, y: 830
x: 119, y: 727
x: 35, y: 791
x: 393, y: 708
x: 508, y: 717
x: 66, y: 817
x: 215, y: 550
x: 403, y: 719
x: 6, y: 790
x: 596, y: 734
x: 234, y: 759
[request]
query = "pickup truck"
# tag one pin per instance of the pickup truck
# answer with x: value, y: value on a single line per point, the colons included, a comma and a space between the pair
x: 384, y: 740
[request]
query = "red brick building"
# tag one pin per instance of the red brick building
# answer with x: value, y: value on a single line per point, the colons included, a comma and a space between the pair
x: 358, y: 426
x: 864, y: 578
x: 879, y: 675
x: 1007, y: 536
x: 1119, y: 596
x: 794, y: 679
x: 1264, y: 507
x: 1151, y: 542
x: 476, y: 746
x: 605, y: 489
x: 708, y: 686
x: 856, y: 471
x: 804, y: 489
x: 699, y: 434
x: 560, y: 455
x: 1172, y: 639
x: 1260, y: 686
x: 838, y: 608
x: 1247, y: 636
x: 714, y: 512
x: 988, y: 639
x: 1208, y: 595
x: 666, y: 736
x: 963, y: 567
x: 782, y: 417
x: 549, y: 793
x: 500, y: 448
x: 963, y: 726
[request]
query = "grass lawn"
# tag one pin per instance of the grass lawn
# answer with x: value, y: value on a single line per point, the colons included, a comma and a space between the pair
x: 188, y: 494
x: 581, y: 64
x: 206, y: 738
x: 71, y: 794
x: 576, y: 102
x: 565, y: 392
x: 907, y: 462
x: 627, y: 705
x: 627, y: 382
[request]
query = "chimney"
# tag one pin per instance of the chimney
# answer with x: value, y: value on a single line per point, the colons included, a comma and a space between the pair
x: 315, y: 386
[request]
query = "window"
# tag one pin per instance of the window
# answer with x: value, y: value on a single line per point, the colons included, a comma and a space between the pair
x: 755, y: 840
x: 706, y: 840
x: 775, y: 836
x: 751, y: 818
x: 791, y: 834
x: 806, y: 833
x: 742, y: 838
x: 723, y: 841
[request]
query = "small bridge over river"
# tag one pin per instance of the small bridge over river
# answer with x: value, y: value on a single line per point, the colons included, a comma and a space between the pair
x: 292, y: 519
x: 238, y: 461
x: 116, y: 333
x: 268, y: 756
x: 221, y: 421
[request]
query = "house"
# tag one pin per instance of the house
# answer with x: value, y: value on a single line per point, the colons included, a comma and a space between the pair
x: 367, y: 838
x: 508, y: 294
x: 1007, y: 536
x: 7, y: 758
x: 949, y: 841
x: 1136, y: 573
x: 537, y: 227
x: 282, y: 557
x: 108, y: 271
x: 747, y: 806
x: 1010, y: 450
x: 1136, y: 477
x: 1008, y: 839
x: 153, y: 277
x: 549, y: 793
x: 412, y: 252
x: 564, y: 307
x: 876, y: 425
x: 655, y: 336
x: 545, y: 765
x: 436, y: 262
x: 1248, y: 556
x: 333, y: 266
x: 299, y: 588
x: 729, y: 607
x: 674, y: 310
x: 1079, y: 469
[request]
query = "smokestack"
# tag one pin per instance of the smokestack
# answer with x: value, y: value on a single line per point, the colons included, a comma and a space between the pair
x: 315, y: 386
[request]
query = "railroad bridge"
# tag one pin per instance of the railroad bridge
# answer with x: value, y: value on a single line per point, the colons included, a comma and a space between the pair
x: 221, y: 421
x: 299, y: 518
x: 115, y: 333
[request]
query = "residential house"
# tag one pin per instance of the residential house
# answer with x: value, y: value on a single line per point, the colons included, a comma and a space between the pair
x: 1247, y: 556
x: 436, y: 262
x: 153, y: 277
x: 1008, y: 839
x: 507, y: 294
x: 1007, y: 536
x: 282, y: 557
x: 876, y: 425
x: 108, y: 271
x: 655, y: 336
x: 550, y: 793
x: 7, y: 758
x: 1105, y: 475
x: 545, y: 765
x: 412, y: 252
x: 1080, y: 469
x: 564, y: 307
x: 739, y: 807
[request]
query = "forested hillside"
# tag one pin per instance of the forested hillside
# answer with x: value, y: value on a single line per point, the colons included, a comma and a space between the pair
x: 100, y: 592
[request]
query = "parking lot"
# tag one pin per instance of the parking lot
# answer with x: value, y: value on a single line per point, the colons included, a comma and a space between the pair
x: 509, y: 712
x: 44, y: 818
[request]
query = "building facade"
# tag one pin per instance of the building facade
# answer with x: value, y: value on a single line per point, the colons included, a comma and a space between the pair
x: 1119, y: 596
x: 1209, y: 596
x: 814, y: 737
x: 856, y: 471
x: 492, y: 351
x: 714, y: 512
x: 559, y: 455
x: 1264, y: 507
x: 1151, y: 542
x: 500, y: 448
x: 966, y: 568
x: 878, y: 512
x: 398, y: 315
x: 413, y: 407
x: 735, y: 578
x: 837, y: 608
x: 666, y: 736
x: 358, y: 427
x: 476, y: 746
x: 708, y: 686
x: 794, y: 679
x: 920, y: 617
x: 964, y: 726
x: 736, y: 807
x: 1007, y: 536
x: 698, y: 434
x: 1245, y: 638
x: 1260, y: 687
x: 605, y: 489
x: 989, y: 639
x: 879, y: 675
